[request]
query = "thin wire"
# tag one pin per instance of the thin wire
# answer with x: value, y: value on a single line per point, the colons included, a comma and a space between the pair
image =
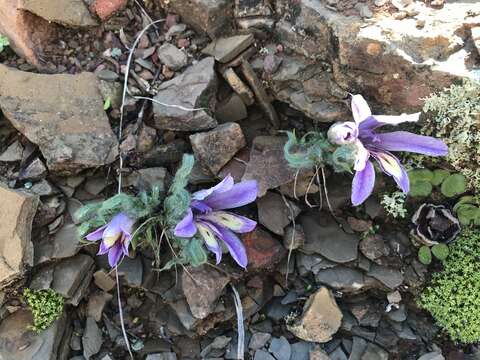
x: 240, y: 326
x: 122, y: 322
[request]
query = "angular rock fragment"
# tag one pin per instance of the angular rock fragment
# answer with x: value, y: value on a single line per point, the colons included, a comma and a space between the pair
x: 195, y: 88
x: 323, y: 236
x: 36, y: 170
x: 275, y: 214
x: 225, y: 50
x: 70, y: 273
x: 321, y: 318
x: 267, y: 164
x: 16, y: 250
x: 202, y: 292
x: 232, y: 109
x: 239, y: 86
x: 65, y: 243
x: 263, y: 251
x: 13, y: 153
x: 172, y: 56
x: 390, y: 277
x: 106, y: 8
x: 62, y: 114
x: 28, y: 34
x: 345, y: 279
x: 91, y: 339
x: 217, y: 147
x: 18, y: 342
x: 72, y: 13
x: 210, y: 16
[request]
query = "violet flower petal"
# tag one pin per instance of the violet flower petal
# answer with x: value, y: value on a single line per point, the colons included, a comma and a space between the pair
x: 97, y: 234
x: 224, y: 185
x: 103, y: 248
x: 392, y: 166
x: 115, y: 254
x: 361, y: 157
x: 362, y: 185
x: 406, y: 141
x: 240, y: 194
x: 186, y: 227
x: 237, y: 223
x: 114, y: 231
x: 210, y: 233
x: 234, y: 245
x: 126, y: 240
x: 360, y: 108
x: 200, y: 206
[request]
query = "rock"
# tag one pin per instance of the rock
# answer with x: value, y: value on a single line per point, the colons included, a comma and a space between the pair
x: 338, y: 354
x: 391, y: 278
x: 106, y: 8
x: 398, y: 315
x: 262, y: 355
x: 344, y: 279
x: 364, y: 10
x: 96, y: 304
x: 162, y: 356
x: 267, y: 164
x: 72, y: 134
x: 232, y: 109
x: 194, y: 88
x: 65, y: 243
x: 239, y: 86
x: 373, y: 247
x: 172, y: 56
x: 318, y: 354
x: 259, y: 340
x: 275, y: 214
x: 366, y: 313
x: 73, y: 13
x: 132, y: 271
x: 476, y: 37
x: 271, y: 63
x: 95, y: 185
x: 358, y: 348
x: 432, y: 356
x: 91, y: 339
x: 323, y: 236
x: 219, y: 343
x: 28, y: 34
x: 184, y: 315
x: 103, y: 280
x: 263, y: 251
x: 225, y: 50
x: 145, y: 179
x: 13, y: 153
x: 280, y: 348
x: 217, y: 147
x: 312, y: 263
x: 374, y: 352
x: 209, y: 16
x: 203, y: 294
x: 70, y: 273
x: 294, y: 237
x: 301, y: 350
x: 34, y: 171
x: 321, y: 318
x: 17, y: 210
x: 42, y: 188
x: 17, y: 342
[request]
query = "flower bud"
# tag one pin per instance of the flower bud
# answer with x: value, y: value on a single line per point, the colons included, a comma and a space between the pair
x: 343, y: 133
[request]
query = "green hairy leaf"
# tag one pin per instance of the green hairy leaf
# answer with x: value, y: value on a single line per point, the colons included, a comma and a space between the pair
x: 439, y: 176
x: 425, y: 255
x: 440, y: 251
x: 455, y: 184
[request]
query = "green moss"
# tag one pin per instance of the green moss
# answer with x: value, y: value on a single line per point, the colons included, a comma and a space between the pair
x: 46, y: 307
x: 453, y: 297
x: 454, y: 116
x: 394, y: 204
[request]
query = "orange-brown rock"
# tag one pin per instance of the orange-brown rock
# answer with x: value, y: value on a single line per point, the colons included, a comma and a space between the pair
x: 28, y: 34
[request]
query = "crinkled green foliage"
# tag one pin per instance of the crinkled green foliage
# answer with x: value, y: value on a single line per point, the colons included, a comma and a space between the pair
x: 453, y: 297
x: 454, y: 115
x: 454, y: 185
x: 45, y: 305
x: 314, y: 150
x: 394, y: 204
x: 3, y: 42
x: 175, y: 206
x: 467, y: 210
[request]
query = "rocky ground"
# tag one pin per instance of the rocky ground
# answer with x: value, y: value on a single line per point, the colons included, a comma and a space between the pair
x: 251, y: 68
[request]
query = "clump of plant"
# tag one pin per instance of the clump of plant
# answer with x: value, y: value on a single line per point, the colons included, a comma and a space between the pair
x: 454, y: 115
x: 394, y: 204
x: 453, y: 297
x: 187, y: 222
x: 423, y: 181
x: 3, y: 42
x: 357, y: 145
x: 467, y: 210
x: 46, y: 307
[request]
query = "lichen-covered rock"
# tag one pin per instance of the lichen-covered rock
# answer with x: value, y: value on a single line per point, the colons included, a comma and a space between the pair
x: 62, y: 114
x: 195, y: 88
x: 16, y: 250
x: 321, y: 318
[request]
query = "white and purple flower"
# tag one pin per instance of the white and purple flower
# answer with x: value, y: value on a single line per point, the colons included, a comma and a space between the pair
x: 370, y: 144
x: 115, y: 238
x: 207, y: 217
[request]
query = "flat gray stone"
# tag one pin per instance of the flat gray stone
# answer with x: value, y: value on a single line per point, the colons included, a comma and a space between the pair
x: 262, y: 355
x: 344, y: 279
x: 323, y: 236
x: 391, y: 278
x: 65, y: 243
x: 92, y: 338
x: 226, y: 49
x: 13, y: 153
x: 280, y: 348
x: 259, y: 340
x: 172, y: 56
x: 275, y: 214
x: 70, y: 273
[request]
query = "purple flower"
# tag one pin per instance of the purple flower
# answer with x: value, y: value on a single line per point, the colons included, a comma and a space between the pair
x: 206, y: 216
x: 115, y: 236
x: 370, y: 144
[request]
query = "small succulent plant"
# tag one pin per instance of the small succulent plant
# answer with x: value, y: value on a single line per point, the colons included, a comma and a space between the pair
x: 434, y: 224
x: 423, y: 181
